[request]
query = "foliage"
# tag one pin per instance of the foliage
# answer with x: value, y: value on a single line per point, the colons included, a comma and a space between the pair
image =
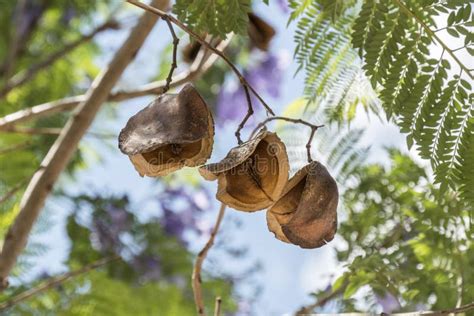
x: 430, y: 102
x: 401, y: 244
x: 152, y: 276
x: 334, y: 145
x: 333, y: 71
x: 217, y: 17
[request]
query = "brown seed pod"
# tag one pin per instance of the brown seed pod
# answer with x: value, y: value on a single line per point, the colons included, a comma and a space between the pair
x: 174, y: 131
x: 274, y: 222
x: 306, y: 210
x: 190, y: 51
x: 260, y: 32
x: 252, y: 176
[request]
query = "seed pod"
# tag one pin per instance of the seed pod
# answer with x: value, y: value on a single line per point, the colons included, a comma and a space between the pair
x: 252, y: 176
x: 274, y: 222
x: 260, y: 32
x: 190, y: 51
x: 306, y: 210
x: 174, y: 131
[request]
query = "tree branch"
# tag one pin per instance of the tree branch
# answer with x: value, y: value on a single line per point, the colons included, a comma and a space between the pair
x: 25, y: 76
x: 217, y: 308
x: 65, y: 145
x: 245, y: 84
x: 196, y: 277
x: 313, y: 127
x: 13, y: 190
x: 55, y: 281
x: 200, y: 65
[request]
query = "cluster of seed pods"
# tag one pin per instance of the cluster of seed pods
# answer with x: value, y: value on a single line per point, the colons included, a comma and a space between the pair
x: 177, y: 130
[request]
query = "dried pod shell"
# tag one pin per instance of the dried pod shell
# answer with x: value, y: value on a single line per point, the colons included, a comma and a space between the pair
x: 252, y: 176
x: 190, y: 51
x: 274, y: 222
x: 307, y: 208
x: 260, y: 32
x: 174, y: 131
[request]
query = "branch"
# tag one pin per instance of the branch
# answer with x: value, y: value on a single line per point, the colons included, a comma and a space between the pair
x: 25, y: 76
x: 33, y: 130
x: 55, y: 281
x: 246, y: 86
x: 217, y: 308
x: 174, y: 64
x: 196, y: 277
x: 13, y: 190
x: 19, y: 146
x: 201, y: 64
x: 313, y: 127
x: 65, y: 145
x: 323, y: 301
x: 433, y: 35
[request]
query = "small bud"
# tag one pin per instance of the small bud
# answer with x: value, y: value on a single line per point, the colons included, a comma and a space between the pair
x: 174, y: 131
x: 306, y: 211
x: 252, y: 175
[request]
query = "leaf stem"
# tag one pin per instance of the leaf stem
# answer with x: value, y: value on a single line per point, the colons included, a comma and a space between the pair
x: 433, y: 35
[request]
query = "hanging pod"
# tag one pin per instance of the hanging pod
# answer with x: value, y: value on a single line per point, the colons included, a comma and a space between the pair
x: 174, y: 131
x: 252, y: 175
x: 305, y: 214
x: 260, y: 32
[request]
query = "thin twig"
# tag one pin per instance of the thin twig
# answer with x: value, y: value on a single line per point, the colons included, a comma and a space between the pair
x: 433, y: 35
x: 52, y: 131
x: 13, y: 148
x: 196, y: 277
x: 203, y: 42
x: 66, y: 144
x: 33, y: 130
x: 13, y: 190
x: 247, y: 116
x: 25, y: 76
x: 457, y: 310
x: 174, y: 64
x: 322, y: 301
x: 313, y: 127
x: 217, y: 308
x: 55, y: 281
x: 199, y: 66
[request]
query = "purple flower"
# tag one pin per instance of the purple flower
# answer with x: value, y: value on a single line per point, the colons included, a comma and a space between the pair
x: 108, y: 225
x: 388, y: 302
x: 283, y: 5
x: 181, y: 210
x: 265, y: 76
x: 148, y: 266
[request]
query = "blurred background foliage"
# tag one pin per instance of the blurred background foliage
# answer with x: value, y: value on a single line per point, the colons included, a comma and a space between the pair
x: 405, y: 243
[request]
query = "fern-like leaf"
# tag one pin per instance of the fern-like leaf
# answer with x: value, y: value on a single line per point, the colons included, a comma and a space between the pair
x: 427, y: 99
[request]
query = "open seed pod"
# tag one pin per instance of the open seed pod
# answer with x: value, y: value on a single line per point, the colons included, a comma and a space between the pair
x: 306, y: 210
x: 174, y: 131
x: 252, y: 176
x: 260, y: 32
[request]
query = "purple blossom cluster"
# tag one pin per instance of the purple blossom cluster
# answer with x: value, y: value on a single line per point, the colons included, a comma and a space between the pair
x: 181, y: 211
x: 388, y: 302
x: 266, y: 76
x: 108, y: 225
